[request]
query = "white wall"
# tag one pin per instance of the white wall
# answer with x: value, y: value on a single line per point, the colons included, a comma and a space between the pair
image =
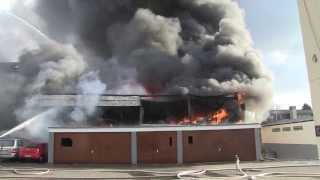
x: 305, y: 136
x: 310, y: 23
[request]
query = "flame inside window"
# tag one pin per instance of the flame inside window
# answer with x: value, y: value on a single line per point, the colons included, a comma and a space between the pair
x: 220, y: 116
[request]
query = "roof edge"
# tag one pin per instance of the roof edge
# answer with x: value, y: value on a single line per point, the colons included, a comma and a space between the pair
x: 152, y: 128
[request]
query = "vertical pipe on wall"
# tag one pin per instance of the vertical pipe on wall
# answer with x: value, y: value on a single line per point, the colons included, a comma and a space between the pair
x: 179, y: 147
x: 50, y: 147
x: 134, y: 152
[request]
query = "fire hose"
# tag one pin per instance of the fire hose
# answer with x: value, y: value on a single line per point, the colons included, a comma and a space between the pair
x: 31, y: 171
x: 180, y: 175
x: 27, y: 171
x: 193, y: 174
x: 196, y: 173
x: 273, y: 174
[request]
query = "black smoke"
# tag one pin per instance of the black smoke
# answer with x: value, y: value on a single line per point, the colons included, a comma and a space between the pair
x: 199, y: 47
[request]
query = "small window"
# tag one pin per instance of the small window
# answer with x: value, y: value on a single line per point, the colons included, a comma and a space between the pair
x: 66, y: 142
x: 275, y: 129
x: 298, y: 128
x: 190, y: 139
x: 170, y: 141
x: 286, y: 129
x: 6, y: 143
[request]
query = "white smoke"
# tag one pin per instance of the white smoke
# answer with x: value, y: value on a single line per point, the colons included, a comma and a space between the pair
x: 90, y: 89
x: 58, y: 65
x: 67, y: 66
x: 121, y: 80
x: 55, y: 73
x: 37, y: 126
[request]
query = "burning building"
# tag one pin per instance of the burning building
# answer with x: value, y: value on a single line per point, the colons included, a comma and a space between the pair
x: 155, y: 129
x: 186, y: 65
x: 115, y: 110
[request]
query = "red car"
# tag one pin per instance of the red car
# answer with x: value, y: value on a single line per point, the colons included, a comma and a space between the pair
x: 37, y: 152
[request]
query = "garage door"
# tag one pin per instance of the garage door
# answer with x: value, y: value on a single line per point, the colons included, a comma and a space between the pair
x: 222, y: 145
x: 92, y: 148
x: 157, y: 147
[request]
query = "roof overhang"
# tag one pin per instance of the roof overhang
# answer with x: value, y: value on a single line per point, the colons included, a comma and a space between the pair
x: 153, y: 128
x: 83, y: 100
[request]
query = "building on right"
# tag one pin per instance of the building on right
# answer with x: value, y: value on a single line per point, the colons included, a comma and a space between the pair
x: 310, y: 24
x: 289, y: 134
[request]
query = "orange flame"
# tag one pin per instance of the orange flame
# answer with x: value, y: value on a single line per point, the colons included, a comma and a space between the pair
x: 217, y: 117
x: 194, y: 120
x: 220, y: 116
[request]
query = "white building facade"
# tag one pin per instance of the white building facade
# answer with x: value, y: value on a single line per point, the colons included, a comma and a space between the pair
x: 310, y: 23
x: 293, y: 139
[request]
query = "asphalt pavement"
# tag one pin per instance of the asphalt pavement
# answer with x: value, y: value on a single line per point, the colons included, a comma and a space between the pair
x: 250, y: 170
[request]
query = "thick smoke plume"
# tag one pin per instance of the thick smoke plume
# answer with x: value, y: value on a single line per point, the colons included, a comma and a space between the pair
x: 199, y: 47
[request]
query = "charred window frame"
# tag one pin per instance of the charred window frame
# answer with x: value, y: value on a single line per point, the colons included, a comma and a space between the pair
x: 66, y: 142
x: 190, y: 139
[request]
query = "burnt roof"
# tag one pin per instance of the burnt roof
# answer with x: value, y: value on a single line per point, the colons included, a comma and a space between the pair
x: 154, y: 95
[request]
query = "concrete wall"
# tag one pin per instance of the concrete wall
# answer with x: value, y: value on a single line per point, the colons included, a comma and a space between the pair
x: 293, y: 144
x: 309, y: 17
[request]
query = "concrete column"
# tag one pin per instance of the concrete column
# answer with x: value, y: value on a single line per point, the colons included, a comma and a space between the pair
x: 179, y: 147
x: 50, y: 148
x: 134, y: 149
x: 257, y: 136
x: 293, y: 112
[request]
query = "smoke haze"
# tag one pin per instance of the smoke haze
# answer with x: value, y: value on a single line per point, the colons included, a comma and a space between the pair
x: 199, y: 47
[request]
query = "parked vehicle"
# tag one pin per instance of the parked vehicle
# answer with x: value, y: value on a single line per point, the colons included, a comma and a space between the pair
x: 36, y: 152
x: 9, y: 148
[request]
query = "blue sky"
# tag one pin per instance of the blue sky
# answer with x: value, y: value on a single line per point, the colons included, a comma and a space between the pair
x: 276, y: 32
